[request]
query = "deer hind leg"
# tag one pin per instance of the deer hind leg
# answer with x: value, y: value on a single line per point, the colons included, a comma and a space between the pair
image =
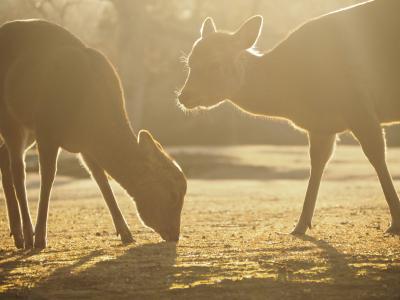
x: 14, y: 217
x: 372, y: 140
x: 100, y: 177
x: 17, y: 141
x: 321, y: 149
x: 48, y: 153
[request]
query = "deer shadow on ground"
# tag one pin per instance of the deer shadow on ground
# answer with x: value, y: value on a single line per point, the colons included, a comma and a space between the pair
x: 335, y: 276
x: 140, y: 272
x: 154, y: 271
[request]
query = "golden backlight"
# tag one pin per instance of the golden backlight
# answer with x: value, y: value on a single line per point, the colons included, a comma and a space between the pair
x: 205, y: 132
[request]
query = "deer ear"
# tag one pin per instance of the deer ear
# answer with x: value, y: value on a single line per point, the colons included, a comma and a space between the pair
x: 147, y: 142
x: 208, y: 27
x: 247, y: 35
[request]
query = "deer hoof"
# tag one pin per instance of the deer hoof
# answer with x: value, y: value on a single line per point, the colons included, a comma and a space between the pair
x: 126, y: 235
x: 300, y: 229
x: 127, y: 238
x: 40, y: 243
x: 18, y: 240
x: 393, y: 229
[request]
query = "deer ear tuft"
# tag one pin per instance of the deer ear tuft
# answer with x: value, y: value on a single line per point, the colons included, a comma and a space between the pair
x: 144, y: 136
x: 208, y: 27
x: 247, y: 35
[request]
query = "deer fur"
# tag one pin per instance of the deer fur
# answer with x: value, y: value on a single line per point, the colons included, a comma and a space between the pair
x: 58, y: 93
x: 339, y: 72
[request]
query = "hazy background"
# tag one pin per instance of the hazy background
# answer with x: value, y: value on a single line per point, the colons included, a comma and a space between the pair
x: 145, y: 39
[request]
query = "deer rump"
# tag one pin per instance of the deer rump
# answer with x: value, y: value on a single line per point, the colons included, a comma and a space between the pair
x: 31, y: 36
x: 47, y: 74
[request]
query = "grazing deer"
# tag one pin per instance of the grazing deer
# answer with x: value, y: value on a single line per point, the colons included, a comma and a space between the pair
x: 59, y: 93
x: 339, y: 72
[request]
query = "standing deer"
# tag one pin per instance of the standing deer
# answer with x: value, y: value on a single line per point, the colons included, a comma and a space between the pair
x: 339, y: 72
x: 59, y: 93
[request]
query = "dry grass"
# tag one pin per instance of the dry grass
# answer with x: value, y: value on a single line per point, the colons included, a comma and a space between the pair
x: 241, y: 203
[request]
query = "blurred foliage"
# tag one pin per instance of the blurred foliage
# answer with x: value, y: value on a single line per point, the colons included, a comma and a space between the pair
x: 145, y: 40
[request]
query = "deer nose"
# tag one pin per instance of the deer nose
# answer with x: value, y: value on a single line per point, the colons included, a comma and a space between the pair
x: 173, y: 238
x: 184, y: 97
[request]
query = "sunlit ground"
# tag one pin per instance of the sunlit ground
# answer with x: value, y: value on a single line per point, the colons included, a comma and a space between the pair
x: 241, y: 203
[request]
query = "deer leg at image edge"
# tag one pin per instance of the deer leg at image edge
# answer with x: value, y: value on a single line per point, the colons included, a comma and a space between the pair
x: 16, y: 142
x: 372, y: 140
x: 14, y: 217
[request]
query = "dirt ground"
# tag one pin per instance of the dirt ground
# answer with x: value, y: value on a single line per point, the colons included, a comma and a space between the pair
x: 241, y: 203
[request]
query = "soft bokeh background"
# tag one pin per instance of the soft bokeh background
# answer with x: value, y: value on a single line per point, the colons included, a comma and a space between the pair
x: 241, y: 200
x: 145, y: 40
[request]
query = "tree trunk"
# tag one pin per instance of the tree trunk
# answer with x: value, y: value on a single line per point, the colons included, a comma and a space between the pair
x: 130, y: 63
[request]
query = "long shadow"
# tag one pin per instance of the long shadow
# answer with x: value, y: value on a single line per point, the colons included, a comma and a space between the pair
x: 339, y: 279
x: 338, y: 263
x: 141, y: 272
x: 299, y: 264
x: 151, y: 271
x: 11, y: 260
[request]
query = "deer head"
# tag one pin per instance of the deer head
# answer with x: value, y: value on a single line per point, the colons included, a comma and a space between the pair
x: 159, y: 197
x: 214, y: 73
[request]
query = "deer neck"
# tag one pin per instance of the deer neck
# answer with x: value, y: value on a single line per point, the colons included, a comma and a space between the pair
x: 117, y: 151
x: 265, y: 88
